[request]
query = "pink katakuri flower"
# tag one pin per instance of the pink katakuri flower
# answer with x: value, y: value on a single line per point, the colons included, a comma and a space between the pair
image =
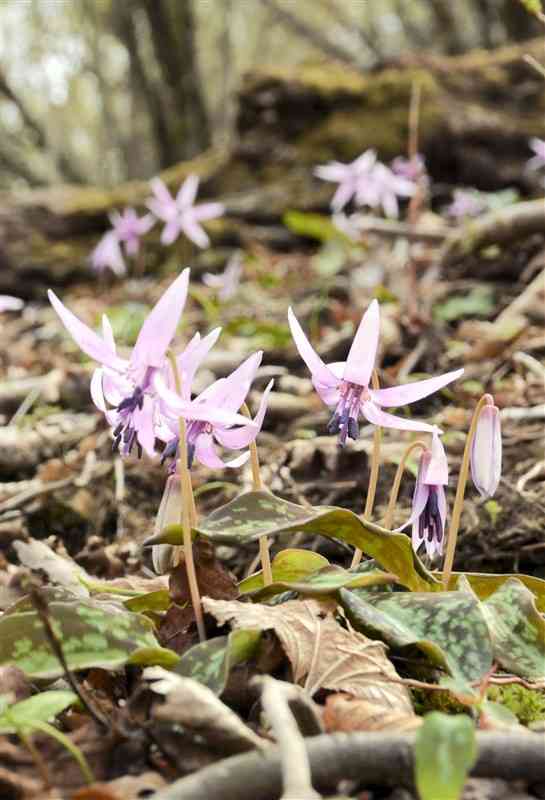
x: 381, y: 188
x: 8, y: 303
x: 344, y: 386
x: 224, y: 396
x: 348, y: 176
x: 413, y: 169
x: 228, y: 282
x: 466, y: 203
x: 429, y: 510
x: 129, y: 228
x: 486, y: 450
x: 107, y: 255
x: 538, y: 160
x: 180, y: 214
x: 123, y: 389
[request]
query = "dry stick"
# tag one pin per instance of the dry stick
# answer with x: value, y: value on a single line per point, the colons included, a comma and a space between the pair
x: 38, y: 759
x: 376, y: 758
x: 40, y: 606
x: 296, y: 775
x: 460, y: 492
x: 187, y: 491
x: 264, y: 554
x: 397, y: 481
x: 373, y: 478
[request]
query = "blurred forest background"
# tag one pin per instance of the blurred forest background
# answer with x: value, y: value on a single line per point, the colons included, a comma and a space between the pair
x: 104, y: 91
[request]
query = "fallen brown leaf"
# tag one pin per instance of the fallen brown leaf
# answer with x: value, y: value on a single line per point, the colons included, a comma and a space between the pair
x: 128, y: 787
x: 321, y: 652
x: 346, y: 713
x: 195, y: 707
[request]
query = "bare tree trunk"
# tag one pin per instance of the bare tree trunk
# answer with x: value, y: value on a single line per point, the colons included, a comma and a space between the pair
x: 64, y: 165
x: 126, y: 30
x: 312, y: 35
x: 366, y: 40
x: 226, y: 109
x: 173, y: 34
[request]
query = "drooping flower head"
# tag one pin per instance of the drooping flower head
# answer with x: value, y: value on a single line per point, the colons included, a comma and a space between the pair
x: 129, y: 228
x: 227, y: 283
x: 429, y: 510
x: 348, y: 176
x: 224, y: 397
x: 179, y: 213
x: 486, y: 450
x: 344, y: 386
x: 124, y: 389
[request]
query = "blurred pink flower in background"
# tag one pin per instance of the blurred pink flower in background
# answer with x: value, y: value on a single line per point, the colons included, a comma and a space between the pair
x: 226, y: 284
x: 538, y: 160
x: 129, y: 228
x: 179, y: 213
x: 347, y: 176
x: 8, y: 303
x: 107, y: 255
x: 466, y: 203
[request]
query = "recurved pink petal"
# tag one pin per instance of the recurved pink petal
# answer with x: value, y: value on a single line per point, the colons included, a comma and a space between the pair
x: 411, y: 392
x: 321, y: 374
x: 192, y: 357
x: 376, y: 416
x: 206, y: 211
x: 436, y: 470
x: 160, y: 190
x: 193, y: 231
x: 160, y: 325
x: 205, y: 452
x: 237, y: 438
x: 88, y: 341
x: 171, y: 231
x: 187, y: 192
x: 363, y: 352
x: 143, y: 422
x: 97, y: 394
x: 342, y: 196
x: 237, y: 385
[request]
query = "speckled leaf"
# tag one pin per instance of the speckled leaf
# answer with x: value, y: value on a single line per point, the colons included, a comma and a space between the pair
x: 210, y: 662
x: 288, y: 565
x: 448, y: 626
x: 327, y: 581
x: 517, y: 630
x: 255, y: 514
x: 42, y: 707
x: 445, y: 750
x: 93, y: 634
x: 485, y: 584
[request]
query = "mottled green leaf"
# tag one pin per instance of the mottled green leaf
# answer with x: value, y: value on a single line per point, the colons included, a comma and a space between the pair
x: 151, y: 601
x: 326, y: 581
x: 40, y: 708
x: 288, y: 565
x: 485, y: 584
x: 210, y: 662
x: 93, y: 633
x: 255, y: 514
x: 517, y: 630
x: 448, y: 626
x: 445, y: 751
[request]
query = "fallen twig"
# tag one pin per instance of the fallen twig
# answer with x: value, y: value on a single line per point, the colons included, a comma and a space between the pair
x: 498, y: 227
x: 377, y: 758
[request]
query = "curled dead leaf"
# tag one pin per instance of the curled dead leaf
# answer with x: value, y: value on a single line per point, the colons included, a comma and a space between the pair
x: 346, y: 713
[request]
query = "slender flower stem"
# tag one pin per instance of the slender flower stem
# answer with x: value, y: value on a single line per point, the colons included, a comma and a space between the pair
x: 460, y: 492
x: 258, y: 487
x: 373, y: 478
x: 187, y: 491
x: 418, y: 445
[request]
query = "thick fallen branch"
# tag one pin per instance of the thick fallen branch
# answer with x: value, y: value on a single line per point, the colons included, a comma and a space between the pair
x: 498, y: 227
x: 380, y: 759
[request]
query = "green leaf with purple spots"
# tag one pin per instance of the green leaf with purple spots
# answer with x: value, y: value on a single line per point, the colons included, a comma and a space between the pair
x: 449, y: 627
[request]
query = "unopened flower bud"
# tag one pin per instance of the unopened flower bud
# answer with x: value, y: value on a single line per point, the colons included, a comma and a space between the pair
x: 170, y: 511
x: 486, y: 450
